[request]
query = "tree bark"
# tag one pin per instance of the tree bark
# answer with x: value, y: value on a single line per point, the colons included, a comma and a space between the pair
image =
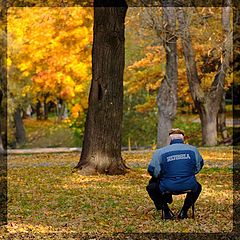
x: 20, y: 131
x: 206, y: 102
x: 60, y: 109
x: 208, y: 117
x: 3, y: 79
x: 101, y: 151
x: 1, y: 142
x: 164, y: 125
x: 1, y: 120
x: 167, y: 95
x: 3, y: 114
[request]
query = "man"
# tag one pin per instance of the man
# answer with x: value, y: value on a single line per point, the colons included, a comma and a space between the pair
x: 173, y: 169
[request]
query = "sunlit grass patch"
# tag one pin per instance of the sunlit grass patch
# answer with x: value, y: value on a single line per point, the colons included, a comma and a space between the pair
x: 50, y: 198
x: 49, y: 133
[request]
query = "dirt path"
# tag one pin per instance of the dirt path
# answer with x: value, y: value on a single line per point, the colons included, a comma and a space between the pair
x: 230, y: 122
x: 43, y: 150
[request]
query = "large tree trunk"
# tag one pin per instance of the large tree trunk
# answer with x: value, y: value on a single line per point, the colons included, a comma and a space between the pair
x: 3, y: 114
x: 208, y: 117
x: 167, y: 95
x: 1, y: 120
x: 101, y: 151
x: 20, y: 131
x: 3, y: 80
x: 206, y: 102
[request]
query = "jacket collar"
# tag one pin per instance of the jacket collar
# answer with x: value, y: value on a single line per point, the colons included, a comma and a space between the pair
x: 174, y: 141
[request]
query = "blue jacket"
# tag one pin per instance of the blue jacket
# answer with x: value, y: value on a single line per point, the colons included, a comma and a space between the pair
x: 176, y: 165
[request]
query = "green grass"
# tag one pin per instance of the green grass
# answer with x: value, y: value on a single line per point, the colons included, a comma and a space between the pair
x: 192, y: 129
x: 47, y: 199
x: 49, y: 133
x: 54, y: 134
x: 217, y: 170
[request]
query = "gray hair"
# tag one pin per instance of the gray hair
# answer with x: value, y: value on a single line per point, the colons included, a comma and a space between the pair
x: 176, y: 136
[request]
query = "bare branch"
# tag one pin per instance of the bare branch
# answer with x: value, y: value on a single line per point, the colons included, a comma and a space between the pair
x: 219, y: 78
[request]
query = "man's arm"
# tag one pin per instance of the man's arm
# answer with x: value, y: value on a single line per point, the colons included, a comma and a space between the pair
x: 154, y: 167
x: 199, y: 162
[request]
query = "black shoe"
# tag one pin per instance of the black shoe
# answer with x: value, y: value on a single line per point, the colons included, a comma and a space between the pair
x: 168, y: 214
x: 182, y: 214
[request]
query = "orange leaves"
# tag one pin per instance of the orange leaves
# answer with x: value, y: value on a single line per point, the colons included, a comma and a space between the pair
x: 76, y: 110
x: 147, y: 72
x: 148, y: 60
x: 149, y: 105
x: 153, y: 56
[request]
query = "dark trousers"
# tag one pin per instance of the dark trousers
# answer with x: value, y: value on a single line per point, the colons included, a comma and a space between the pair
x: 160, y: 200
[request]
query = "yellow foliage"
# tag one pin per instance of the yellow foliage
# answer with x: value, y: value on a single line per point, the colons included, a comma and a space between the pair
x: 149, y: 105
x: 79, y: 89
x: 52, y: 47
x: 26, y: 74
x: 76, y: 110
x: 84, y: 103
x: 25, y: 66
x: 9, y: 61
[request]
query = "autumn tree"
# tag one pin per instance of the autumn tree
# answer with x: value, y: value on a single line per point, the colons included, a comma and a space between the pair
x: 165, y: 76
x: 3, y: 77
x: 167, y: 94
x: 101, y: 151
x: 207, y: 100
x: 142, y: 77
x: 48, y: 60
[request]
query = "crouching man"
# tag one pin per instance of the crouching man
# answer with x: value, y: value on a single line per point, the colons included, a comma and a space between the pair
x: 173, y: 169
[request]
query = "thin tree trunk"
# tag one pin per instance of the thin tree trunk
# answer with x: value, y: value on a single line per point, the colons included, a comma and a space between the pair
x: 1, y: 142
x: 102, y: 138
x: 164, y: 125
x: 167, y: 95
x: 20, y: 131
x: 60, y: 110
x: 45, y: 108
x: 24, y: 114
x: 38, y: 110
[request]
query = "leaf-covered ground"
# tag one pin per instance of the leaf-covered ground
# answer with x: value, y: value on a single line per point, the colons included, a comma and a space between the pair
x: 46, y: 197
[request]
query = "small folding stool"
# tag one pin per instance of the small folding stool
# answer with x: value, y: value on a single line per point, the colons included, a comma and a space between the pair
x: 179, y: 193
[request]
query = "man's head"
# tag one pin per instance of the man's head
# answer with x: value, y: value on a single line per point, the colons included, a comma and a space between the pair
x: 176, y: 133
